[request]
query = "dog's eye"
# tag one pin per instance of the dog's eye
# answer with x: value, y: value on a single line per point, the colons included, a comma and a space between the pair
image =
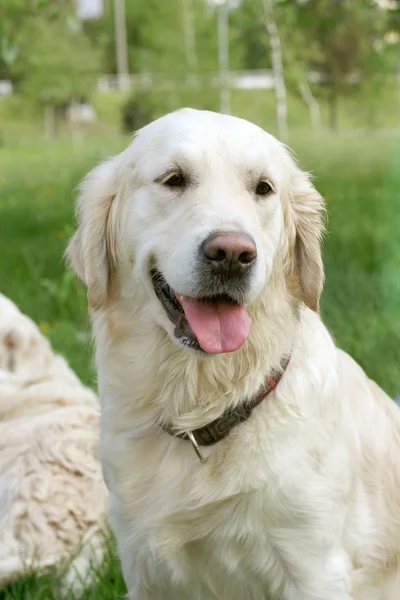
x: 263, y: 188
x: 175, y: 180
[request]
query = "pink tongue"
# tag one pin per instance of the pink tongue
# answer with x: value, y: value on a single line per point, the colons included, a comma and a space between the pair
x: 219, y: 326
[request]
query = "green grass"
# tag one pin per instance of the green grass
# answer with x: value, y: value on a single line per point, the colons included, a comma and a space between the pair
x: 360, y: 181
x: 107, y: 584
x: 358, y: 177
x: 36, y: 210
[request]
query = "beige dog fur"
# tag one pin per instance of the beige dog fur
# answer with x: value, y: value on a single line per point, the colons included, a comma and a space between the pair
x: 52, y: 494
x: 301, y: 502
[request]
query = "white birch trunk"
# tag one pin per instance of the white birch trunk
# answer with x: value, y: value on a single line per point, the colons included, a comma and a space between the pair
x: 223, y: 56
x: 277, y: 69
x: 49, y: 119
x: 74, y: 123
x: 313, y: 107
x: 189, y: 33
x: 121, y: 45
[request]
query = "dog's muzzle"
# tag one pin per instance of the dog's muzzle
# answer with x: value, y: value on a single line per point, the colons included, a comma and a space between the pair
x: 213, y: 319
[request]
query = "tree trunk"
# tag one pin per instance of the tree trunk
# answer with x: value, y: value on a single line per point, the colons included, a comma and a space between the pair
x: 333, y: 109
x: 121, y: 46
x: 277, y: 69
x: 74, y: 123
x: 313, y: 107
x: 398, y: 83
x: 223, y: 57
x: 49, y: 116
x: 189, y: 32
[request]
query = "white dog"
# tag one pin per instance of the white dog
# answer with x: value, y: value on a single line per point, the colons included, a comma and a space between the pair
x: 200, y: 249
x: 52, y: 494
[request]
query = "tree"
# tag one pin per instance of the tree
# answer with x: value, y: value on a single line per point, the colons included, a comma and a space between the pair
x: 345, y: 36
x: 46, y: 53
x: 58, y: 65
x: 189, y: 33
x: 247, y: 27
x: 277, y: 69
x: 13, y: 15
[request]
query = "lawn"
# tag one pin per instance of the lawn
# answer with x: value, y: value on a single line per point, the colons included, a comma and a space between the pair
x: 360, y: 180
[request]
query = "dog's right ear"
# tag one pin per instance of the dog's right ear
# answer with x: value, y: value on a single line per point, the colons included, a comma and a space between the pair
x: 93, y: 252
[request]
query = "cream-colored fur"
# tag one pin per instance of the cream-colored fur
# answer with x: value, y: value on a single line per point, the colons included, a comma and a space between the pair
x: 300, y: 502
x: 52, y: 494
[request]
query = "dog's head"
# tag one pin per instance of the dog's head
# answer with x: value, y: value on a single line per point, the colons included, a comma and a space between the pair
x: 196, y: 214
x: 23, y: 349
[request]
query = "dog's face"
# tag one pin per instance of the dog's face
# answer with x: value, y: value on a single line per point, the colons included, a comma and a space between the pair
x: 195, y: 212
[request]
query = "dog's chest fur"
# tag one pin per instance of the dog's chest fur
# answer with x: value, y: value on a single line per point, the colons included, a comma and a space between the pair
x: 208, y: 532
x: 237, y: 527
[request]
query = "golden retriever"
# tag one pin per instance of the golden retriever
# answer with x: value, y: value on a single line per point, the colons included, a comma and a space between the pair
x: 200, y: 248
x: 52, y: 494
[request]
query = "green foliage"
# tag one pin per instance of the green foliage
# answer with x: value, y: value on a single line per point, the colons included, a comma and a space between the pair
x: 61, y: 63
x: 343, y: 34
x: 109, y: 107
x: 138, y: 110
x: 45, y: 51
x: 156, y: 36
x: 147, y: 105
x: 52, y: 57
x: 341, y: 40
x: 248, y: 33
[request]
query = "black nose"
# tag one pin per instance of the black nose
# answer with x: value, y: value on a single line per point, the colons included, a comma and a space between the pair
x: 232, y: 253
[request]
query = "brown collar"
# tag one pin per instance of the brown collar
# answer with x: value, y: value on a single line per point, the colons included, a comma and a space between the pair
x: 217, y: 430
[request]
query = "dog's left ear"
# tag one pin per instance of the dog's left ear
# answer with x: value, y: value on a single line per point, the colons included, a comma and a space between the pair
x: 305, y: 224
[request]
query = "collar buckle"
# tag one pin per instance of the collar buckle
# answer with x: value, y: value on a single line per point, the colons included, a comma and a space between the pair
x: 196, y: 448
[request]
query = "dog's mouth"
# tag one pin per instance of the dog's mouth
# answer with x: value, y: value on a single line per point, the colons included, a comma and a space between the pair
x: 213, y: 325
